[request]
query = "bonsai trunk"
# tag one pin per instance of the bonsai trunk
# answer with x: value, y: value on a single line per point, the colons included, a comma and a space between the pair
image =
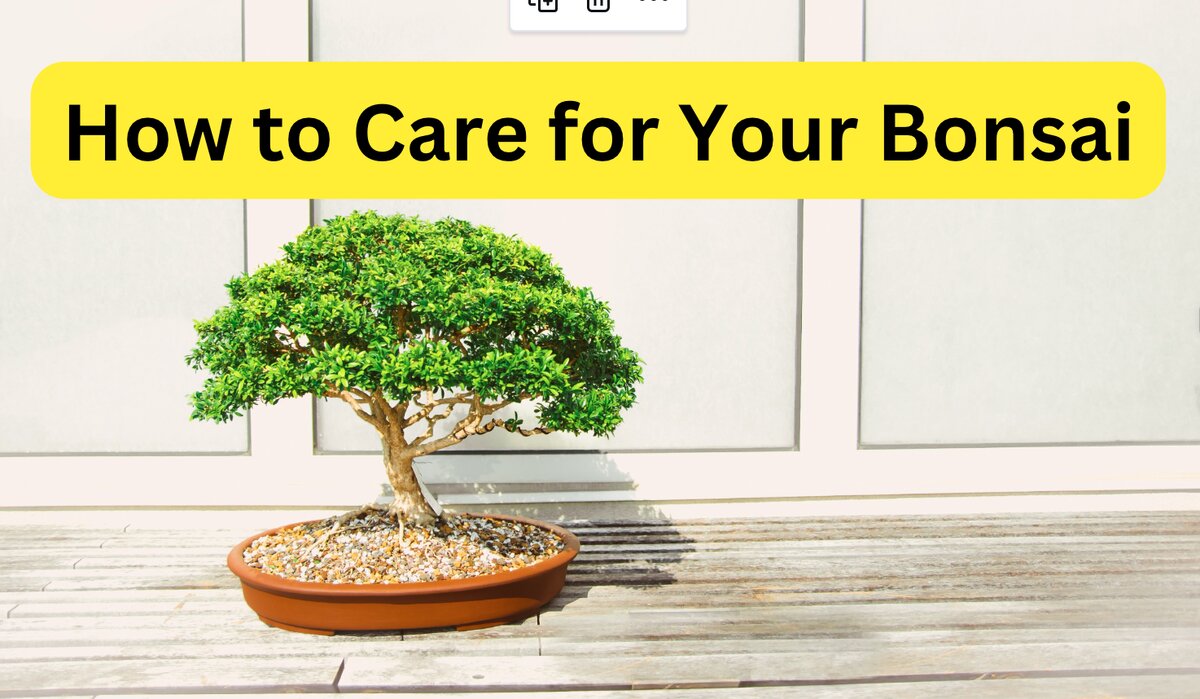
x: 410, y: 504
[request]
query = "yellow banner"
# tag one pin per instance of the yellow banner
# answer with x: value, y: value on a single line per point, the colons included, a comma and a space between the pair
x: 598, y: 130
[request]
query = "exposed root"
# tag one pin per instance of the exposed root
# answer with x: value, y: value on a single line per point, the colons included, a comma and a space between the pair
x: 390, y: 510
x: 341, y: 521
x: 395, y: 511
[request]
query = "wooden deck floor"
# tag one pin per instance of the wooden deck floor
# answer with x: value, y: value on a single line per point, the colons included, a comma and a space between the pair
x: 1070, y: 605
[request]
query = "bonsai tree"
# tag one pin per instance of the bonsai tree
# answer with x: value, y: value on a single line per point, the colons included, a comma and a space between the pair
x: 413, y: 323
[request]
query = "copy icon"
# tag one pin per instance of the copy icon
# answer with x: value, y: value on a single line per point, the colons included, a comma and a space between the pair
x: 545, y: 5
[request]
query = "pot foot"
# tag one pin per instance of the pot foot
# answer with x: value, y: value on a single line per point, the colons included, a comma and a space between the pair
x: 297, y: 629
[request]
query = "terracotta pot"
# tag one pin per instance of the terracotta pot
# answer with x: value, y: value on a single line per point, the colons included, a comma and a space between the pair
x: 471, y: 603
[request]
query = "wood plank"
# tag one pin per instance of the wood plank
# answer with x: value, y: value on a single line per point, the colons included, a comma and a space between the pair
x: 33, y: 532
x: 735, y: 580
x: 14, y: 564
x: 809, y: 519
x: 1089, y: 515
x: 192, y: 540
x: 756, y: 531
x: 162, y: 580
x: 1118, y: 559
x: 275, y: 646
x: 64, y: 548
x: 887, y: 544
x: 890, y: 546
x: 852, y: 564
x: 1005, y: 518
x: 440, y: 673
x: 1138, y: 687
x: 1109, y: 583
x: 122, y: 609
x: 120, y: 595
x: 213, y: 618
x: 153, y: 640
x: 681, y: 594
x: 207, y: 567
x: 1143, y: 687
x: 931, y: 640
x: 1085, y: 516
x: 214, y: 629
x: 698, y: 612
x: 802, y: 621
x: 913, y: 533
x: 17, y: 627
x: 100, y: 565
x: 881, y: 589
x: 147, y: 636
x: 890, y: 543
x: 316, y: 673
x: 22, y: 585
x: 28, y: 558
x: 633, y: 574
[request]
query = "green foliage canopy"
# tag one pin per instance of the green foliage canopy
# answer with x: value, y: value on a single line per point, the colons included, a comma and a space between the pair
x: 396, y: 308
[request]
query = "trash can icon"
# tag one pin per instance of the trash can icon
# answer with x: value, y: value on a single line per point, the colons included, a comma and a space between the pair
x: 597, y: 5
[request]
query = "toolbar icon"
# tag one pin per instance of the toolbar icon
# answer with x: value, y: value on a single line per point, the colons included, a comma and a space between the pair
x: 597, y: 5
x: 545, y: 5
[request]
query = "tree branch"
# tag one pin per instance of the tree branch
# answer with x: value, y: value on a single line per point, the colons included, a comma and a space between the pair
x: 381, y: 408
x: 457, y: 337
x: 354, y: 402
x: 431, y: 421
x: 400, y: 316
x: 427, y: 408
x: 473, y: 424
x: 489, y: 408
x: 488, y: 427
x: 469, y: 330
x: 465, y: 428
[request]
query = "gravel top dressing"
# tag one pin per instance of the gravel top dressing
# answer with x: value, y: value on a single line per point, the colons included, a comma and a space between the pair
x: 369, y: 549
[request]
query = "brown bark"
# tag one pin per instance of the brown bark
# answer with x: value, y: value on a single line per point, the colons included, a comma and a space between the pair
x: 409, y: 504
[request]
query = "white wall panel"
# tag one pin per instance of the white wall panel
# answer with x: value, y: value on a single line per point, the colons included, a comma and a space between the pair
x: 1038, y: 321
x: 97, y: 298
x: 477, y: 30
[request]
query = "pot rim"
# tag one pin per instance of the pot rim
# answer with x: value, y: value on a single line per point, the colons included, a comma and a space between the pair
x: 279, y: 585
